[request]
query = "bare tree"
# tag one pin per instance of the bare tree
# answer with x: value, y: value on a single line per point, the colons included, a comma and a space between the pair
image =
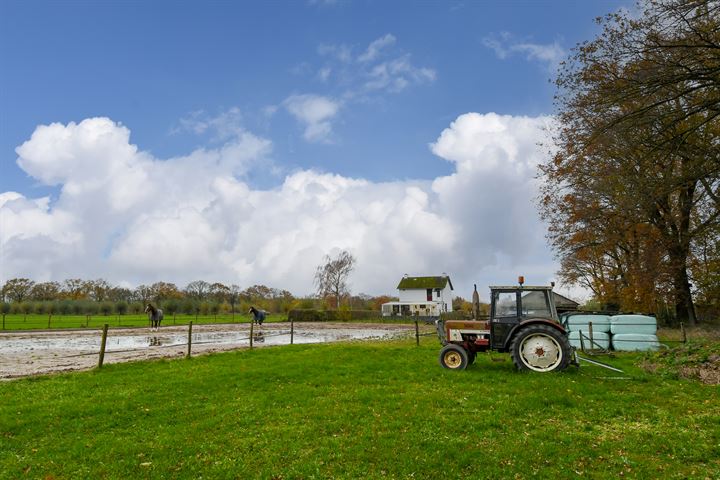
x: 331, y: 277
x: 198, y: 290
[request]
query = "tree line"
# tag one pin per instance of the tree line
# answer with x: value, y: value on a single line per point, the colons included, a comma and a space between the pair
x: 631, y: 192
x: 82, y: 297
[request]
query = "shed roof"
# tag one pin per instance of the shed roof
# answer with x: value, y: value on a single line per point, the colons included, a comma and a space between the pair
x: 408, y: 283
x: 559, y: 300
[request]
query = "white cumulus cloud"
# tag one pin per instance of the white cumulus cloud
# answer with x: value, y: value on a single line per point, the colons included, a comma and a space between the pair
x: 316, y: 113
x: 127, y: 216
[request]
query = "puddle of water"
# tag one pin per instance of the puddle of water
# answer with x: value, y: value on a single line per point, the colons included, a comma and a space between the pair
x: 89, y: 343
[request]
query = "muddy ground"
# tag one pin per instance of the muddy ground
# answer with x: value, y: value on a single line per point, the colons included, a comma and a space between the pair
x: 29, y: 353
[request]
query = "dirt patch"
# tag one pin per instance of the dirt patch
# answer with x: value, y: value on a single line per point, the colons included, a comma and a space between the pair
x: 33, y: 353
x: 695, y: 361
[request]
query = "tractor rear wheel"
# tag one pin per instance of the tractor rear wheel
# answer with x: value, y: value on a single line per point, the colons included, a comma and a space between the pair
x: 540, y: 348
x: 453, y: 357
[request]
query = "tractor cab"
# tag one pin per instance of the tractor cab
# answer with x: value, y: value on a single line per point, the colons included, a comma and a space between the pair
x: 511, y: 306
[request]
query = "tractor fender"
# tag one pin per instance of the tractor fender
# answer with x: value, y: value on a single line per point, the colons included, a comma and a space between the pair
x: 532, y: 321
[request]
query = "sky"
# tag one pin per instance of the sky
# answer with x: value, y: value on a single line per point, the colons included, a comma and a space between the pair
x: 242, y: 142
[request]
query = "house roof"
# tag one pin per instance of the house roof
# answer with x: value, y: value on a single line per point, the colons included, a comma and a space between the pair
x: 408, y: 283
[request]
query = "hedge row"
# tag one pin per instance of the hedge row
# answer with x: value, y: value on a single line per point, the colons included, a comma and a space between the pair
x: 331, y: 315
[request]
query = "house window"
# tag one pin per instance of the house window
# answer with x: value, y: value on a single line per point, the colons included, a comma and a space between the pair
x: 437, y: 293
x: 429, y: 295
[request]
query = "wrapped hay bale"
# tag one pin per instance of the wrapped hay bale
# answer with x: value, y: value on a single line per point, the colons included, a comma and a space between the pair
x: 639, y: 324
x: 575, y: 322
x: 631, y: 342
x: 600, y: 339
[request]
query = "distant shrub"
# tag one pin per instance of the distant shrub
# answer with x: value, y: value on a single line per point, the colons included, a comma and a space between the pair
x: 65, y: 307
x: 171, y: 307
x: 121, y: 308
x: 40, y: 308
x: 90, y: 308
x: 106, y: 308
x: 309, y: 315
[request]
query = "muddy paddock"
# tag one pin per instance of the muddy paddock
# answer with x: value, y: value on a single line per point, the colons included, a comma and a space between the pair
x: 40, y: 352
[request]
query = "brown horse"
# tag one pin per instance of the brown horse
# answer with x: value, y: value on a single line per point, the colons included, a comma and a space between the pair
x: 155, y: 315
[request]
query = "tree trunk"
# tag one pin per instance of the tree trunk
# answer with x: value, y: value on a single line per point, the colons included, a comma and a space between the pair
x: 684, y: 306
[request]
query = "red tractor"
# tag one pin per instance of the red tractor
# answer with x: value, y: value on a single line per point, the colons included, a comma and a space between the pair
x: 523, y: 321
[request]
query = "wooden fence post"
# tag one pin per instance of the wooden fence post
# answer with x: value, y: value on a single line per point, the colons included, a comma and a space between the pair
x: 417, y: 334
x: 292, y: 331
x: 189, y: 339
x: 682, y: 329
x: 592, y: 342
x: 49, y: 318
x: 252, y: 323
x: 3, y: 321
x: 102, y: 346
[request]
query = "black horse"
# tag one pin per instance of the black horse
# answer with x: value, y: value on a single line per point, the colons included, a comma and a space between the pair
x: 155, y: 315
x: 258, y: 315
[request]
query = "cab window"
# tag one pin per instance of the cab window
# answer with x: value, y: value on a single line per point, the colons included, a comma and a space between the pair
x: 505, y: 304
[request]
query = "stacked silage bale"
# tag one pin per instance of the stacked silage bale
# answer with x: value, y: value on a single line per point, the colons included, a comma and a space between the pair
x: 634, y: 332
x: 579, y: 324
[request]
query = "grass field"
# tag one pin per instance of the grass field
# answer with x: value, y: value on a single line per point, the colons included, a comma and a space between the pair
x: 358, y: 410
x: 38, y: 322
x: 42, y: 322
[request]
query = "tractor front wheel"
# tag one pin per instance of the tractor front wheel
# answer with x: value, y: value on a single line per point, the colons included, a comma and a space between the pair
x: 540, y: 348
x: 454, y: 357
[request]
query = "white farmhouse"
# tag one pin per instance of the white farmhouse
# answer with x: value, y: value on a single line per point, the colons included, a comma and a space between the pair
x: 421, y: 296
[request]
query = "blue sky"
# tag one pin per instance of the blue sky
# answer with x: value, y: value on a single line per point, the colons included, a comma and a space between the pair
x: 352, y: 89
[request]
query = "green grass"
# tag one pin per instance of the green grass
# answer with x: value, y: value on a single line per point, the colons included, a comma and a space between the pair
x: 41, y: 322
x: 357, y: 410
x: 38, y: 322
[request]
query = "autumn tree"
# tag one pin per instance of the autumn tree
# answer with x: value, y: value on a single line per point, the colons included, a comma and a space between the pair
x: 160, y: 291
x: 120, y: 294
x: 634, y: 183
x: 45, y: 291
x: 143, y: 293
x: 98, y: 290
x: 74, y: 289
x: 219, y: 292
x: 331, y: 277
x: 17, y: 289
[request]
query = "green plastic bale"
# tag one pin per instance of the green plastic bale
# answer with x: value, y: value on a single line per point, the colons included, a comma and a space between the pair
x: 600, y: 323
x: 600, y: 339
x: 629, y: 324
x: 632, y: 342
